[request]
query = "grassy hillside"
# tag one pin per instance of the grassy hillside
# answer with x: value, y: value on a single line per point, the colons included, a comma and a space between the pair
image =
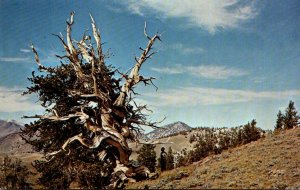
x: 272, y: 162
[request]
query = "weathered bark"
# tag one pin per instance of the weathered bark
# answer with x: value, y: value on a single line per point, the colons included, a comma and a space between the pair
x: 73, y: 54
x: 97, y: 37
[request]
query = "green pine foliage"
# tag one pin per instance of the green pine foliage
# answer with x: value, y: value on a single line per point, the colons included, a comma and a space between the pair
x: 181, y: 161
x: 170, y: 159
x: 203, y: 147
x: 280, y: 121
x: 250, y: 132
x: 291, y: 116
x: 147, y: 156
x: 288, y: 120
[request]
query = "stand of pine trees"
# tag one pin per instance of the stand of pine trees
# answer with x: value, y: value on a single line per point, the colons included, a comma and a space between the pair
x: 147, y: 157
x: 288, y: 120
x: 206, y: 143
x: 210, y: 142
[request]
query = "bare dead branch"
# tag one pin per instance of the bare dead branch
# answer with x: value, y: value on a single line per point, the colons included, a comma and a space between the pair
x: 97, y: 37
x: 96, y: 93
x: 134, y: 77
x: 136, y: 58
x: 55, y: 117
x: 145, y: 123
x: 69, y: 29
x: 125, y: 76
x: 37, y: 59
x: 148, y: 81
x: 151, y: 54
x: 73, y: 54
x: 84, y: 52
x: 60, y: 37
x: 145, y: 32
x: 61, y: 57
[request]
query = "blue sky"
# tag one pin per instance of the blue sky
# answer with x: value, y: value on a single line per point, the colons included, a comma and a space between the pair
x: 220, y: 62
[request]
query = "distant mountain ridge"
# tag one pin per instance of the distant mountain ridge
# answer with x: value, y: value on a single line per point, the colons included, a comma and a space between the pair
x: 9, y: 127
x: 10, y: 141
x: 12, y: 126
x: 170, y: 129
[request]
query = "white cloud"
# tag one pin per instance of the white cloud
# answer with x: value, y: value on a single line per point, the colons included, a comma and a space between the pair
x: 168, y: 70
x: 113, y: 9
x: 203, y: 71
x: 215, y: 72
x: 14, y: 59
x: 11, y: 100
x: 210, y: 15
x: 186, y: 50
x: 195, y: 96
x: 25, y: 50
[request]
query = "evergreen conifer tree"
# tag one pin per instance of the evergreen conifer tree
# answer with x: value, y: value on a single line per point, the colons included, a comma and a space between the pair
x: 250, y: 132
x: 147, y: 156
x: 170, y: 159
x: 280, y: 121
x: 291, y: 116
x: 181, y: 160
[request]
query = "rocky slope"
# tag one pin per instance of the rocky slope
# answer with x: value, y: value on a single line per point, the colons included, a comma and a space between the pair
x: 269, y: 163
x: 10, y: 140
x: 14, y: 144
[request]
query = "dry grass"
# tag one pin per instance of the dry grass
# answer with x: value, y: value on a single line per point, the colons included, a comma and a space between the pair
x: 273, y: 162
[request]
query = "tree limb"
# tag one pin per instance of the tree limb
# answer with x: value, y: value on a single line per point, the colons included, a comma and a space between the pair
x: 37, y: 59
x: 81, y: 115
x: 73, y: 57
x: 134, y: 77
x: 97, y: 37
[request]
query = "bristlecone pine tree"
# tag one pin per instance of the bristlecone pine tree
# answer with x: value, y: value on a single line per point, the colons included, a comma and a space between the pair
x: 90, y: 115
x: 291, y: 117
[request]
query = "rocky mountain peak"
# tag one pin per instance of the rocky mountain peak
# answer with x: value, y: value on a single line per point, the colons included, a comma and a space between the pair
x: 9, y: 127
x: 167, y: 130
